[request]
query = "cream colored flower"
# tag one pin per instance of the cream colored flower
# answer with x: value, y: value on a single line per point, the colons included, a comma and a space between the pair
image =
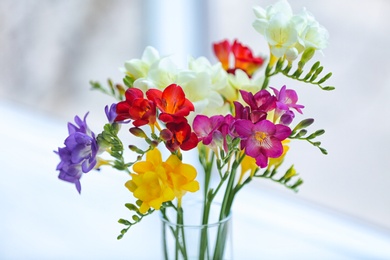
x: 139, y: 68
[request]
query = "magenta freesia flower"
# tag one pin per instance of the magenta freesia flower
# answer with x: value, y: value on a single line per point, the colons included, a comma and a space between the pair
x: 286, y: 100
x: 205, y: 127
x: 259, y: 104
x: 262, y: 140
x: 79, y: 154
x: 213, y: 131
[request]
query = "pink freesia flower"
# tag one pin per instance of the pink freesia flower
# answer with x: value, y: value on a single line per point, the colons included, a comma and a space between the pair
x: 262, y: 140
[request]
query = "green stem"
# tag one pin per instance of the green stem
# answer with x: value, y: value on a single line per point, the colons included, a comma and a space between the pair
x: 179, y: 247
x: 180, y: 228
x: 206, y: 208
x: 225, y: 209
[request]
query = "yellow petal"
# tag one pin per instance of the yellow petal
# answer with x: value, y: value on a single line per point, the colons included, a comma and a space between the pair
x: 144, y: 207
x: 154, y: 157
x: 191, y: 186
x: 142, y: 167
x: 131, y: 185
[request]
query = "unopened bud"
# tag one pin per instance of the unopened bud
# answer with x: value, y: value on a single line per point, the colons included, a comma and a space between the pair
x: 308, y: 54
x: 137, y: 132
x: 135, y: 149
x: 166, y: 134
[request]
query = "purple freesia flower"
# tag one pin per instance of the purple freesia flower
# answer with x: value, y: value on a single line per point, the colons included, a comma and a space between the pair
x: 286, y: 99
x: 79, y: 154
x: 262, y: 140
x: 111, y: 113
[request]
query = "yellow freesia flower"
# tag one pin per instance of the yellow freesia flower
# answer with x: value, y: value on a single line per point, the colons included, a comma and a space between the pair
x: 155, y: 181
x: 150, y: 182
x: 248, y: 164
x: 182, y: 176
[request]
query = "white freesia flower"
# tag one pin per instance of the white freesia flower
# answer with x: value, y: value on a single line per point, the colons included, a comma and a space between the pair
x: 217, y: 74
x: 241, y: 81
x: 264, y: 15
x: 281, y: 34
x: 138, y: 68
x: 313, y: 34
x: 288, y: 34
x: 199, y: 91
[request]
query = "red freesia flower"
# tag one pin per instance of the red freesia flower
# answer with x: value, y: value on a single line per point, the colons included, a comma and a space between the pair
x: 222, y: 51
x: 181, y: 136
x: 243, y: 57
x: 172, y: 102
x: 137, y: 108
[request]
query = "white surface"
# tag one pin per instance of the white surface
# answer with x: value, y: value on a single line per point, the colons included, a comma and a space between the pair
x: 45, y: 218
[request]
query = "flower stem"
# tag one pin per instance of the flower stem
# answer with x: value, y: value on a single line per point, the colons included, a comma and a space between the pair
x: 203, y: 249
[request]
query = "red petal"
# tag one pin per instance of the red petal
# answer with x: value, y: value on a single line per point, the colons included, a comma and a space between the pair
x: 191, y: 143
x: 222, y: 51
x: 133, y: 93
x: 155, y: 95
x: 174, y: 98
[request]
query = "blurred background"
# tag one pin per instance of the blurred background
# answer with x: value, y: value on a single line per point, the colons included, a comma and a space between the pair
x: 50, y: 50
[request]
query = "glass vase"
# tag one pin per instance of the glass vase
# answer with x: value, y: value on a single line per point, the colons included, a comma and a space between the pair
x: 185, y: 237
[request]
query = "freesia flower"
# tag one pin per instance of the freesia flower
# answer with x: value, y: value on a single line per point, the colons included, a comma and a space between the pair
x: 286, y: 100
x: 243, y: 57
x: 139, y: 68
x: 181, y: 136
x: 241, y: 81
x: 288, y: 34
x: 259, y: 104
x: 311, y: 33
x: 137, y: 108
x: 207, y: 129
x: 150, y: 182
x: 182, y: 177
x: 79, y: 154
x: 261, y: 140
x: 222, y: 51
x: 213, y: 131
x: 155, y: 181
x: 248, y: 164
x: 111, y: 113
x: 172, y: 102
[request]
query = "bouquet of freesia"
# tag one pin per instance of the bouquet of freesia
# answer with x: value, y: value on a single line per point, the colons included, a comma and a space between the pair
x: 240, y: 125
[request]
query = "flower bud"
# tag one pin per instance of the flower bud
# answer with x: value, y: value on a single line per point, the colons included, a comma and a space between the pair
x: 308, y: 54
x: 166, y: 134
x: 291, y: 54
x: 137, y: 132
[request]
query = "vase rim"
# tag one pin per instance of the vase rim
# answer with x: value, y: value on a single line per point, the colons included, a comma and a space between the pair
x: 213, y: 224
